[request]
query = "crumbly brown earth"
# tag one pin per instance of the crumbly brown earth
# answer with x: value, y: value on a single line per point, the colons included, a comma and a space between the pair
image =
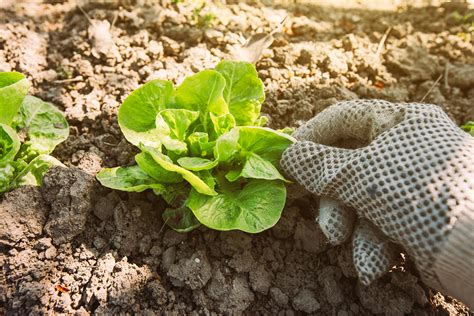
x: 73, y: 247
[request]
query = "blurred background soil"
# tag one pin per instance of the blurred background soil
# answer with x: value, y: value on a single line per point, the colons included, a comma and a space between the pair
x: 72, y: 247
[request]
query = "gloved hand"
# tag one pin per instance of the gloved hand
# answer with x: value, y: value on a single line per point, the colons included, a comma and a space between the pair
x: 412, y: 184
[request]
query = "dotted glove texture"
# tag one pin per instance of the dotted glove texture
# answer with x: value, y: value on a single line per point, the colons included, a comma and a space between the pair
x: 411, y: 184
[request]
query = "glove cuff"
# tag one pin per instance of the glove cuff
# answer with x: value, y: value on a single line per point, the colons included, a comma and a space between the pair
x: 454, y: 263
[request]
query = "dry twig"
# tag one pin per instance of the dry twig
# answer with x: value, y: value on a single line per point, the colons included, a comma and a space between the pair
x: 163, y: 226
x: 382, y: 41
x: 431, y: 88
x: 446, y: 72
x: 85, y: 14
x: 76, y: 79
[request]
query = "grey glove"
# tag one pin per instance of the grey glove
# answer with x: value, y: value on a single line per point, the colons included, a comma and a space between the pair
x: 411, y: 183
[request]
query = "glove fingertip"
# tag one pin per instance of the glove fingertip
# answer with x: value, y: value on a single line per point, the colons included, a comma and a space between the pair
x: 373, y: 255
x: 336, y: 221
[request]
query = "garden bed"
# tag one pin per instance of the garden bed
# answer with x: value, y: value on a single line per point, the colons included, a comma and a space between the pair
x: 75, y: 247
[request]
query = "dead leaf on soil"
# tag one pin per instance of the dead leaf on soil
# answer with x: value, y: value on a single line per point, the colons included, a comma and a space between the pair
x: 101, y: 37
x: 252, y: 49
x: 379, y: 84
x: 62, y: 288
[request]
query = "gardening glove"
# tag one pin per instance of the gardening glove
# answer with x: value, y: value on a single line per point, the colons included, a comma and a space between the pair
x: 411, y: 183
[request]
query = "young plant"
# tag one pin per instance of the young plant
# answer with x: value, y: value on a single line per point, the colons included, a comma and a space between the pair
x: 29, y: 131
x: 469, y: 127
x: 204, y: 150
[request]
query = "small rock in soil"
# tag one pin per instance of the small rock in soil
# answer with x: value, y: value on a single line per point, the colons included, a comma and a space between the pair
x: 242, y: 262
x: 346, y: 262
x: 279, y: 297
x: 305, y: 301
x: 260, y: 279
x: 172, y: 238
x: 90, y: 162
x: 240, y: 296
x: 193, y: 272
x: 104, y: 207
x: 157, y: 292
x: 43, y: 244
x: 50, y: 253
x: 168, y: 258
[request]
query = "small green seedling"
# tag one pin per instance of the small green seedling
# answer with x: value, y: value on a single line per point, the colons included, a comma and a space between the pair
x: 29, y: 130
x: 203, y: 20
x: 469, y: 127
x: 204, y: 150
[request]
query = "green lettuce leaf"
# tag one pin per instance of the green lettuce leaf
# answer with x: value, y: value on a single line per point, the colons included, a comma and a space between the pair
x: 196, y: 163
x: 137, y: 114
x: 35, y: 170
x: 256, y: 207
x: 146, y: 162
x: 227, y: 146
x: 207, y: 177
x: 180, y: 219
x: 233, y: 175
x: 7, y: 174
x: 175, y: 194
x: 265, y: 142
x: 129, y: 179
x: 203, y: 92
x: 13, y: 89
x: 178, y: 121
x: 256, y: 167
x: 44, y: 124
x: 40, y: 124
x: 262, y: 121
x: 172, y: 126
x: 221, y: 124
x: 168, y: 164
x: 199, y: 144
x: 9, y: 143
x: 243, y: 91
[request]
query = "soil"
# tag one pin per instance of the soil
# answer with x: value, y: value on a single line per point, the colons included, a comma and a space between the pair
x: 73, y: 247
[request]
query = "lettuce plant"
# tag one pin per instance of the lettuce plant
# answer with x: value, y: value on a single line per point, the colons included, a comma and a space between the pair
x: 29, y: 131
x: 204, y: 150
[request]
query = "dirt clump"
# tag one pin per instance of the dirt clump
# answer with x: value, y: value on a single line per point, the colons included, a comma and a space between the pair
x: 24, y: 213
x: 68, y: 191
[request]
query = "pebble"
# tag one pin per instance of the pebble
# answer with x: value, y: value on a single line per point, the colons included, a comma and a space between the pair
x: 305, y: 301
x: 168, y: 258
x: 50, y: 253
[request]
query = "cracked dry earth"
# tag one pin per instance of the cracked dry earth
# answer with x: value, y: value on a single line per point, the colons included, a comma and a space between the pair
x: 73, y: 247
